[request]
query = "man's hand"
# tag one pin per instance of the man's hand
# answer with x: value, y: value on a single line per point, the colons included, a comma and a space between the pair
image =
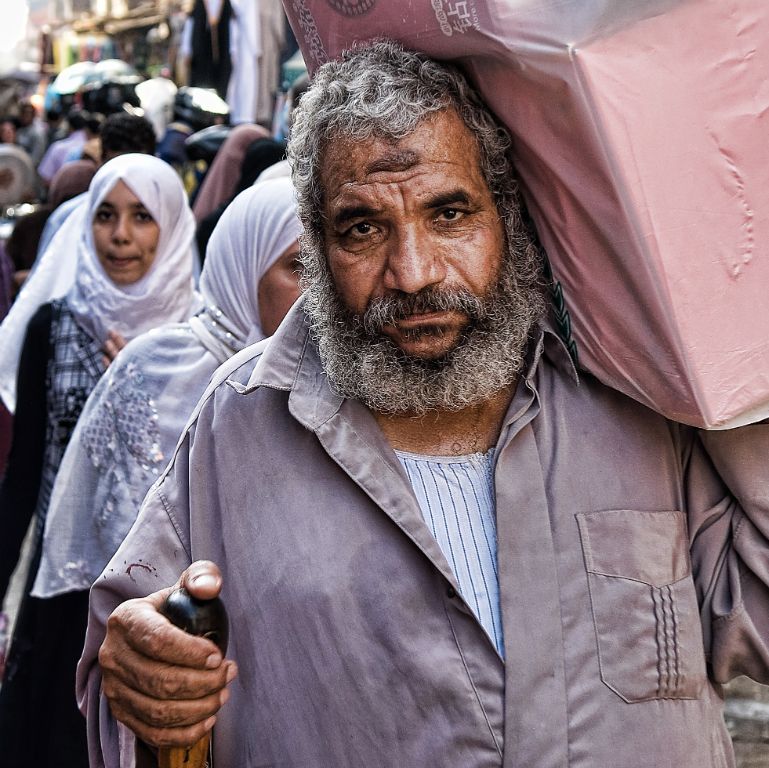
x: 164, y: 684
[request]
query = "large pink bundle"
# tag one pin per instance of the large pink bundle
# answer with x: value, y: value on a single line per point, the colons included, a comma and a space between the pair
x: 640, y: 137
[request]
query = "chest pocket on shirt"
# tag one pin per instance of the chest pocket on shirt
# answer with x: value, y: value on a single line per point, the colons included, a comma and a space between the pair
x: 645, y: 610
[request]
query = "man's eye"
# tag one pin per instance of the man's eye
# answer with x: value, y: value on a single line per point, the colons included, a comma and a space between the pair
x: 450, y: 214
x: 361, y: 229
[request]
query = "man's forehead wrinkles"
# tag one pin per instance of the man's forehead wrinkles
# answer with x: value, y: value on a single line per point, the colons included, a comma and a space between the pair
x: 393, y: 160
x: 418, y: 178
x: 368, y: 197
x: 378, y: 196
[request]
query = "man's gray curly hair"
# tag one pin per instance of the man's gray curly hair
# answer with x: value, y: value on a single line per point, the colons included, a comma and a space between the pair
x: 381, y: 90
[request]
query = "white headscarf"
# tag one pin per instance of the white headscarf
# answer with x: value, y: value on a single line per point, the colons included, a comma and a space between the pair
x: 52, y: 276
x: 164, y: 294
x: 262, y: 223
x: 59, y: 269
x: 132, y: 419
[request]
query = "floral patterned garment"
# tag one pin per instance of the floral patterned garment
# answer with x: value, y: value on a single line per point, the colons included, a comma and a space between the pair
x: 124, y: 430
x: 123, y: 441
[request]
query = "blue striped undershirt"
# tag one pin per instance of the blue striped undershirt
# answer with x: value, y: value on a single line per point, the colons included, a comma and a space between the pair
x: 456, y: 497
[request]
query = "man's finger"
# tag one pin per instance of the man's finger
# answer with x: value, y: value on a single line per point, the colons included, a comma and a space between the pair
x: 164, y: 713
x: 126, y: 668
x: 180, y: 736
x: 147, y: 632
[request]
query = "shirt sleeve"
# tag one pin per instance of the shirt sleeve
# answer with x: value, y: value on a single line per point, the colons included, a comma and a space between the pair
x: 151, y: 557
x: 728, y: 488
x: 21, y: 484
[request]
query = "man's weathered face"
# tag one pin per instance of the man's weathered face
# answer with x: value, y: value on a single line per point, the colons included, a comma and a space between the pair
x: 414, y: 301
x: 407, y: 221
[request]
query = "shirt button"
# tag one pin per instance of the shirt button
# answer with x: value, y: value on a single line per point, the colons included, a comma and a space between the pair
x: 451, y: 593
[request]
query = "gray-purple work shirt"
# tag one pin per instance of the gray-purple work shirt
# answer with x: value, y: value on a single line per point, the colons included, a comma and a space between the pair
x: 628, y: 572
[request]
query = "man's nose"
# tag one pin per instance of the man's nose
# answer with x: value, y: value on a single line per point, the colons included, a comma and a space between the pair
x: 413, y: 262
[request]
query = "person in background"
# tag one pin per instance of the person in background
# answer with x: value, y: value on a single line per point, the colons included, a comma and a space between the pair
x: 218, y: 186
x: 272, y: 37
x: 282, y: 127
x: 54, y: 270
x: 19, y: 253
x: 134, y: 272
x: 31, y: 134
x: 206, y: 46
x: 133, y: 418
x: 58, y: 152
x: 91, y: 150
x: 8, y: 130
x: 54, y: 126
x: 121, y: 134
x: 71, y: 180
x: 260, y: 154
x: 246, y: 57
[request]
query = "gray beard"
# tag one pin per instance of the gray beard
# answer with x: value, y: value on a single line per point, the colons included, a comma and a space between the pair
x: 363, y: 364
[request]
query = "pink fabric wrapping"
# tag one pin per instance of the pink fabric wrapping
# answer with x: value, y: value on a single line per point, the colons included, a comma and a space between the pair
x: 640, y: 133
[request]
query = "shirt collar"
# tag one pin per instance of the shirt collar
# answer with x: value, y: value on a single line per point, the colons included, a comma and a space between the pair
x: 290, y: 362
x: 548, y: 342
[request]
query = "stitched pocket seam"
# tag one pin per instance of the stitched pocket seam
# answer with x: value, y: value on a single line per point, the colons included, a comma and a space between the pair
x: 668, y: 668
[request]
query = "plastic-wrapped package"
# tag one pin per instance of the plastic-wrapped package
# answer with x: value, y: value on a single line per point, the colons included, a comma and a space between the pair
x: 640, y: 137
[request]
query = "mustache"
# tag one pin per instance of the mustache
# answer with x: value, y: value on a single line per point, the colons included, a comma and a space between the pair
x: 388, y: 310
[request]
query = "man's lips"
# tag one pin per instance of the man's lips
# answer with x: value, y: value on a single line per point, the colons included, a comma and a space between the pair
x: 425, y: 318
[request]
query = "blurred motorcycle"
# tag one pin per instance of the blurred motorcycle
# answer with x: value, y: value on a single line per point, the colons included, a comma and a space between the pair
x: 105, y: 87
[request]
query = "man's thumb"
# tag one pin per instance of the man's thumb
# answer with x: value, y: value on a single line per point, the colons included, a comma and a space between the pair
x: 202, y: 580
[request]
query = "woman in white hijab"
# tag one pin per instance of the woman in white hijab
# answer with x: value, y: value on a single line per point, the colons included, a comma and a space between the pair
x: 134, y: 272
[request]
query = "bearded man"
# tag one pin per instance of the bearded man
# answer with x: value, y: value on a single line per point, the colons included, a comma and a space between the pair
x: 439, y: 545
